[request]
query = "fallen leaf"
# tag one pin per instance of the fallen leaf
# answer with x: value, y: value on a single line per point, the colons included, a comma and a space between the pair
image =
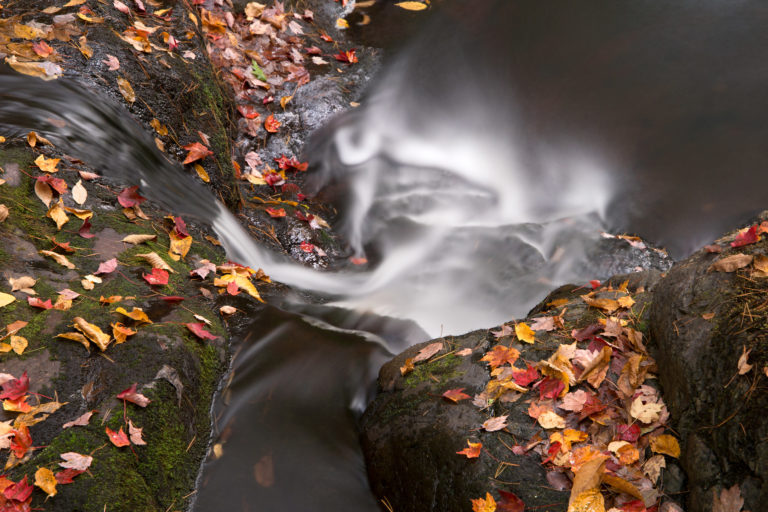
x: 428, y: 351
x: 5, y: 299
x: 19, y: 344
x: 264, y: 471
x: 57, y: 214
x: 44, y: 70
x: 198, y: 330
x: 665, y: 444
x: 746, y: 237
x: 156, y: 261
x: 495, y: 423
x: 271, y: 124
x: 743, y: 366
x: 20, y: 491
x: 587, y: 479
x: 543, y: 323
x: 135, y: 433
x: 131, y: 395
x: 196, y: 151
x: 106, y: 267
x: 487, y: 504
x: 118, y: 438
x: 509, y: 502
x: 4, y: 212
x: 74, y: 460
x: 120, y: 332
x: 112, y: 63
x: 524, y: 332
x: 501, y: 355
x: 472, y: 451
x: 14, y: 389
x: 79, y: 194
x: 731, y: 263
x: 550, y: 419
x: 138, y: 239
x: 653, y: 466
x: 179, y: 246
x: 92, y: 332
x: 412, y: 6
x: 454, y: 395
x: 58, y: 258
x: 647, y: 412
x: 157, y: 277
x: 730, y: 500
x: 80, y: 421
x: 129, y: 197
x: 607, y: 305
x: 66, y: 476
x: 23, y: 284
x: 76, y: 336
x: 136, y: 314
x: 124, y: 86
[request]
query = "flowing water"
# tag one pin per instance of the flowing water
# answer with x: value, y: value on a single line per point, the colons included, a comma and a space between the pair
x: 478, y: 174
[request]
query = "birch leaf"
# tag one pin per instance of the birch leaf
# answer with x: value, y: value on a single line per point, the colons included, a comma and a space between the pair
x: 79, y: 194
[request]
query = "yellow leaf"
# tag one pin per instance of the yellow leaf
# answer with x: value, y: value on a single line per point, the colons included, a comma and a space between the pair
x: 59, y: 258
x: 665, y: 444
x: 57, y: 213
x: 193, y: 18
x: 160, y: 128
x: 86, y: 50
x: 62, y: 304
x: 607, y: 305
x: 487, y: 504
x: 47, y: 164
x: 588, y: 501
x: 285, y: 100
x: 80, y: 213
x: 621, y: 485
x: 44, y: 70
x: 27, y: 32
x: 18, y: 344
x: 342, y: 23
x: 92, y: 332
x: 156, y: 261
x: 243, y: 283
x: 90, y: 19
x: 567, y: 437
x: 586, y: 479
x: 626, y: 301
x: 551, y: 419
x: 76, y: 336
x: 45, y: 480
x: 33, y: 138
x: 74, y: 3
x: 180, y: 246
x: 121, y: 332
x: 6, y: 298
x: 5, y: 347
x: 524, y: 333
x: 138, y: 239
x: 44, y: 192
x: 412, y: 6
x: 126, y: 90
x: 201, y: 172
x: 136, y: 314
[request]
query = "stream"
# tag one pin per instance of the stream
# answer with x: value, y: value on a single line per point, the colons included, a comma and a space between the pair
x: 479, y: 174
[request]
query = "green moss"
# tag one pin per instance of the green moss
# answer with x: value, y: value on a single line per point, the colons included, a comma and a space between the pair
x: 443, y: 369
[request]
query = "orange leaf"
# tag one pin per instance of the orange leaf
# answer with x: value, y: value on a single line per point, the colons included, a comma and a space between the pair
x: 501, y: 355
x: 487, y: 504
x: 454, y: 395
x: 472, y: 451
x: 665, y: 444
x: 196, y: 152
x: 118, y: 438
x: 271, y: 124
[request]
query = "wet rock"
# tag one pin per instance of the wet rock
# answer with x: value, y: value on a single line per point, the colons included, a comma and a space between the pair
x: 702, y: 321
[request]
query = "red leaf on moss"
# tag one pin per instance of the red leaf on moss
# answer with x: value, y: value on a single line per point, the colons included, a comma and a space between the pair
x: 196, y: 152
x: 35, y: 302
x: 131, y: 395
x: 118, y: 438
x: 157, y: 277
x: 66, y: 476
x: 199, y: 331
x: 85, y: 229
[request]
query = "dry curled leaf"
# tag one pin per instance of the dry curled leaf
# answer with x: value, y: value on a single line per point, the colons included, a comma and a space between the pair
x: 126, y: 90
x: 731, y: 263
x: 156, y: 261
x: 428, y: 351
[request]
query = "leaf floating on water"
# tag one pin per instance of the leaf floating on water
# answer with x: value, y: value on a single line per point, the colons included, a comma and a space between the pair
x: 124, y: 86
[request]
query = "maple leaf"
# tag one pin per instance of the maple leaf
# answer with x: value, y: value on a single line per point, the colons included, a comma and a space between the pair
x: 19, y: 491
x: 428, y: 351
x: 131, y: 395
x: 454, y: 395
x: 730, y: 500
x: 196, y: 152
x: 550, y: 388
x: 731, y: 263
x: 157, y: 277
x: 80, y: 421
x: 66, y: 476
x: 271, y: 124
x: 135, y: 433
x: 45, y: 480
x: 495, y: 423
x: 574, y: 401
x: 501, y: 355
x: 487, y: 504
x: 645, y: 411
x: 746, y: 237
x: 129, y: 197
x: 16, y: 388
x: 630, y: 433
x: 47, y: 164
x: 348, y: 57
x: 73, y: 460
x: 21, y: 442
x: 118, y: 438
x: 198, y: 330
x: 525, y: 377
x: 472, y: 451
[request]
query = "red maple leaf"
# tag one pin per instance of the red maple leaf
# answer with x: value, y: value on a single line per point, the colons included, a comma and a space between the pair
x: 747, y: 237
x: 307, y: 247
x: 19, y: 491
x: 628, y: 433
x: 16, y: 388
x: 472, y: 451
x: 66, y: 476
x: 274, y: 179
x: 292, y: 163
x: 38, y: 303
x: 501, y: 355
x: 118, y: 438
x: 196, y: 152
x: 271, y: 124
x: 21, y: 442
x: 180, y: 227
x: 550, y: 388
x: 85, y: 229
x: 454, y: 395
x: 349, y: 56
x: 57, y: 184
x: 131, y: 395
x: 129, y: 197
x: 525, y: 377
x: 157, y: 277
x: 199, y: 331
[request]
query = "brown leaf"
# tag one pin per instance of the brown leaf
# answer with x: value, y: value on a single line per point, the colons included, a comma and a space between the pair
x: 126, y: 90
x: 743, y: 366
x: 730, y: 500
x: 264, y: 472
x: 731, y: 263
x: 92, y: 332
x: 495, y: 423
x: 156, y: 261
x: 80, y: 421
x: 428, y: 351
